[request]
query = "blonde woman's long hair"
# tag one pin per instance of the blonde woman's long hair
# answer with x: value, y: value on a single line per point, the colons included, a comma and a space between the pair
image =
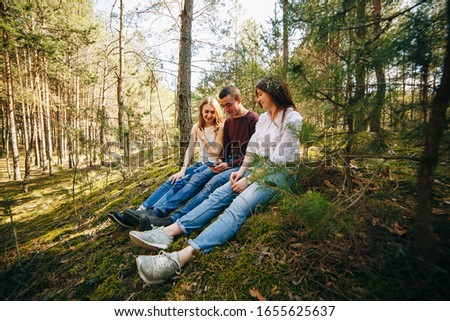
x: 218, y: 119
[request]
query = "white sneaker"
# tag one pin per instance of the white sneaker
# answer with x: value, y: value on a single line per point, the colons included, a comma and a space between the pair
x: 155, y: 269
x: 152, y: 239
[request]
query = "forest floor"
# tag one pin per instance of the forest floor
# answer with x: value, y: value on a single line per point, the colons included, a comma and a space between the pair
x: 365, y: 250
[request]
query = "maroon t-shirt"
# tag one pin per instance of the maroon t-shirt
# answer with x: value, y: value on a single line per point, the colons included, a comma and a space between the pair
x: 236, y: 135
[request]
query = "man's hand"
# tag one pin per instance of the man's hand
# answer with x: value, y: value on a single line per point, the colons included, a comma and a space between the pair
x: 220, y: 166
x: 238, y: 184
x: 234, y: 177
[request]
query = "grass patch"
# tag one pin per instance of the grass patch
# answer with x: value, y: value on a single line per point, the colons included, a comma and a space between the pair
x: 330, y: 243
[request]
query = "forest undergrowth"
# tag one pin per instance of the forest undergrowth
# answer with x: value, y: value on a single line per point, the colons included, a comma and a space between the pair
x: 329, y: 238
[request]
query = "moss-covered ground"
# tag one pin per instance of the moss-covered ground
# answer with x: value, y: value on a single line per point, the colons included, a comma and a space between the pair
x: 323, y: 242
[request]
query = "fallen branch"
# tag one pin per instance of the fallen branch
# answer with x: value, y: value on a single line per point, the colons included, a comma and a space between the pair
x: 413, y: 158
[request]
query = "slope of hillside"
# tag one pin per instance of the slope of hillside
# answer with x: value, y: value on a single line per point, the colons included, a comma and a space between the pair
x: 70, y: 250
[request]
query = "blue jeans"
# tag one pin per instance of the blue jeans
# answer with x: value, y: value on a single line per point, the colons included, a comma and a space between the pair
x: 172, y: 201
x: 238, y: 209
x: 214, y: 183
x: 160, y: 193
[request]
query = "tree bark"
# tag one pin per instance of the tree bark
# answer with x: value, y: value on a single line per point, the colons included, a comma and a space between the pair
x: 285, y: 37
x: 32, y: 117
x: 76, y: 122
x: 2, y: 116
x: 22, y: 101
x: 375, y: 115
x: 102, y: 112
x: 360, y: 73
x: 59, y: 125
x: 28, y: 153
x: 120, y: 98
x: 434, y: 132
x: 38, y: 92
x: 10, y: 105
x: 184, y: 77
x: 47, y: 121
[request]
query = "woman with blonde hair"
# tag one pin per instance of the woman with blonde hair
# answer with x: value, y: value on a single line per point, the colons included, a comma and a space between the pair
x: 208, y: 134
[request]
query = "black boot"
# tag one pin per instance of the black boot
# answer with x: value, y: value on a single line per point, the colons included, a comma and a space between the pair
x: 148, y: 222
x: 120, y: 219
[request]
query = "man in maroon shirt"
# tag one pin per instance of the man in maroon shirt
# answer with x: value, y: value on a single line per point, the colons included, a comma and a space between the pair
x: 238, y: 129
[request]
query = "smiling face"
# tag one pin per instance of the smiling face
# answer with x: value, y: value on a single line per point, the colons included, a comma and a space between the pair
x: 231, y: 105
x: 265, y: 100
x: 208, y: 114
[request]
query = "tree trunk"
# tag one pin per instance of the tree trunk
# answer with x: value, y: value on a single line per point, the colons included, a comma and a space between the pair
x: 28, y: 153
x: 285, y: 37
x: 70, y: 98
x: 32, y: 116
x: 375, y: 115
x: 360, y: 73
x: 424, y: 77
x: 59, y: 125
x: 2, y: 116
x: 22, y: 101
x: 434, y: 132
x: 47, y: 121
x: 10, y: 106
x: 120, y: 98
x: 91, y: 130
x: 102, y: 113
x: 184, y: 77
x: 76, y: 122
x: 27, y: 124
x: 38, y: 92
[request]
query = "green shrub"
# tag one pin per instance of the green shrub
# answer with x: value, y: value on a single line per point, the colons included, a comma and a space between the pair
x: 317, y: 215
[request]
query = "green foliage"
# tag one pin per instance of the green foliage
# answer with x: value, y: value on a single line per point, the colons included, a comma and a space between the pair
x: 315, y: 213
x: 307, y: 133
x: 367, y: 143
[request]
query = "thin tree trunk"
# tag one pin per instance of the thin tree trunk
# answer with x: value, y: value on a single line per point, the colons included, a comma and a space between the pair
x: 375, y: 115
x: 22, y: 101
x: 76, y: 122
x: 59, y: 126
x: 40, y: 113
x: 47, y: 123
x: 10, y: 105
x: 2, y: 116
x: 120, y: 97
x: 28, y: 154
x: 184, y: 77
x: 8, y: 164
x: 70, y: 98
x: 27, y: 124
x: 91, y: 138
x: 285, y: 37
x: 37, y: 158
x: 360, y: 73
x: 425, y: 74
x: 32, y: 116
x: 103, y: 102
